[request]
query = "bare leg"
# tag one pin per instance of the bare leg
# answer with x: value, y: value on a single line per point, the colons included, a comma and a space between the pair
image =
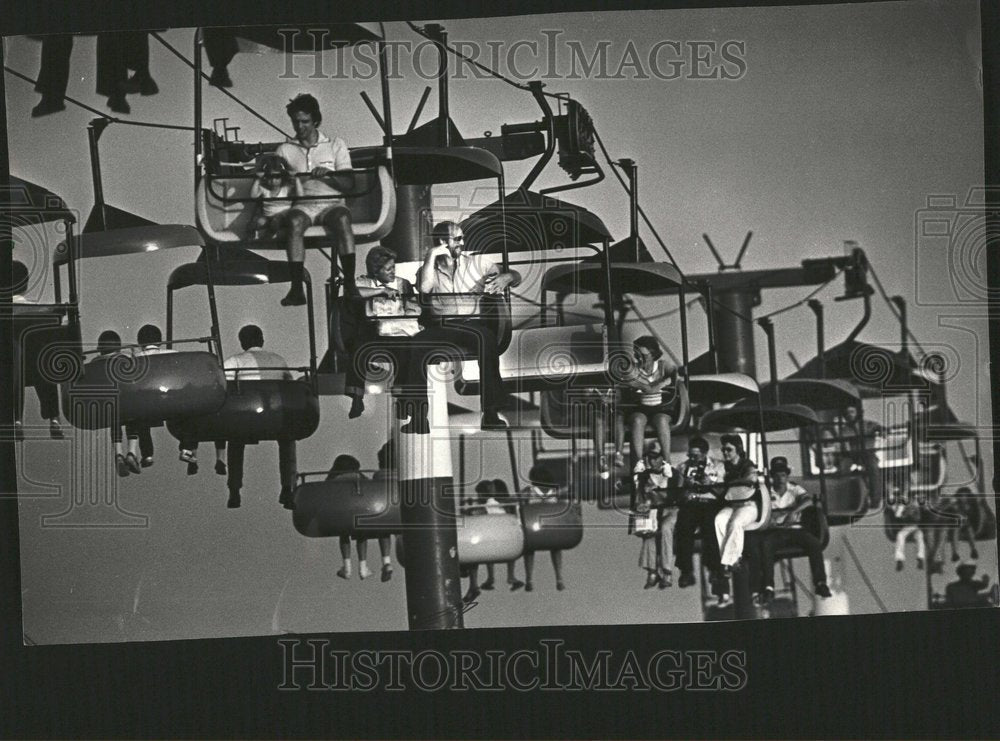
x: 619, y: 432
x: 339, y: 222
x: 557, y: 566
x: 345, y: 553
x: 661, y: 422
x: 363, y: 571
x: 637, y: 437
x: 295, y: 248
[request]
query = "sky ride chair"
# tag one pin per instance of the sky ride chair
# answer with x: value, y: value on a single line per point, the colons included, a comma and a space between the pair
x: 260, y: 406
x: 46, y: 337
x: 132, y: 386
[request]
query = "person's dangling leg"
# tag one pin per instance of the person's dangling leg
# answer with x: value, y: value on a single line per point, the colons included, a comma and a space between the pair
x: 53, y: 74
x: 220, y: 457
x: 363, y: 571
x: 557, y: 566
x: 661, y: 423
x: 134, y: 433
x: 235, y: 456
x: 637, y: 438
x: 111, y: 70
x: 473, y: 592
x: 529, y: 568
x: 294, y: 229
x: 48, y: 402
x: 512, y: 579
x: 117, y: 437
x: 344, y: 572
x: 287, y: 470
x: 921, y: 551
x: 339, y: 222
x: 385, y: 548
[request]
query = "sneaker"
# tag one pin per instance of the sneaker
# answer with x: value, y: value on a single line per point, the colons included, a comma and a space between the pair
x: 725, y: 600
x: 363, y: 571
x: 494, y: 421
x: 822, y: 590
x: 768, y: 594
x: 120, y: 465
x: 640, y: 467
x: 666, y: 578
x: 899, y: 565
x: 55, y: 430
x: 287, y: 497
x: 417, y: 425
x: 133, y: 463
x: 560, y: 586
x: 470, y: 596
x: 687, y: 579
x: 516, y: 584
x: 234, y: 500
x: 487, y: 586
x: 147, y: 461
x: 344, y: 573
x: 529, y: 587
x: 602, y: 467
x: 386, y: 572
x: 220, y: 468
x: 651, y: 580
x: 188, y: 456
x: 619, y: 460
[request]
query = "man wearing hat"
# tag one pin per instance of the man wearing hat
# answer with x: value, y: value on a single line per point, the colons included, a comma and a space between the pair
x: 967, y: 592
x: 788, y: 503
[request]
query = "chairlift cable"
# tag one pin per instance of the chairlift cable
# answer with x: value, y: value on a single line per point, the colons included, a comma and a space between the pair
x: 99, y: 113
x: 416, y: 29
x: 892, y: 307
x: 804, y: 300
x: 222, y: 90
x: 642, y: 213
x: 864, y: 575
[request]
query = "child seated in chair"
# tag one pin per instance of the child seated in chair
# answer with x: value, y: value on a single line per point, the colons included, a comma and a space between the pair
x: 273, y: 181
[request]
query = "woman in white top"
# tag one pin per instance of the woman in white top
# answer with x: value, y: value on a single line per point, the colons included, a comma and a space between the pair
x: 649, y: 397
x: 385, y: 296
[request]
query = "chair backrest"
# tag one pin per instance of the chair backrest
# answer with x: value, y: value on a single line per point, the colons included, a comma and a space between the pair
x: 225, y: 211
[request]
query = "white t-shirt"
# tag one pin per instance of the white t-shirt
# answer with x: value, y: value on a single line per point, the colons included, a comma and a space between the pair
x: 254, y: 359
x: 331, y: 154
x: 791, y: 498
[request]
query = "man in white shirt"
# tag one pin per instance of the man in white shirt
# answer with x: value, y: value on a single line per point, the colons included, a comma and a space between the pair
x: 448, y: 270
x: 328, y: 163
x: 789, y: 502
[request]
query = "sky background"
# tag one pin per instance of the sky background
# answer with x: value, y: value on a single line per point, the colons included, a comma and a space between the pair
x: 846, y: 120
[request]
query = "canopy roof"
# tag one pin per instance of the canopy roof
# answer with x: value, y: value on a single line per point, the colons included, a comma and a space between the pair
x: 25, y: 203
x: 640, y: 278
x: 535, y: 223
x: 131, y: 241
x: 297, y: 39
x: 748, y: 418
